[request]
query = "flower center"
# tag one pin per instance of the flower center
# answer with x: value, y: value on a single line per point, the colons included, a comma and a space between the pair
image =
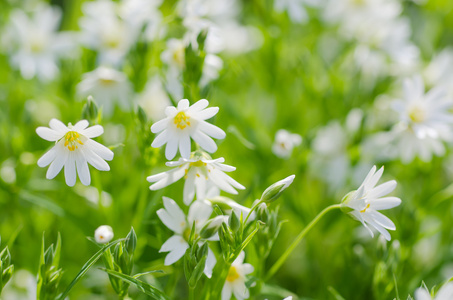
x: 198, y: 163
x: 107, y: 81
x: 72, y: 138
x: 417, y: 114
x: 366, y: 207
x: 232, y: 274
x: 181, y: 120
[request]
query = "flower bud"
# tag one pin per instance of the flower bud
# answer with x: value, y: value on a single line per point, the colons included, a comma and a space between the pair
x: 344, y: 202
x: 234, y: 223
x: 275, y: 190
x: 103, y: 234
x: 131, y: 241
x: 211, y: 227
x: 262, y: 213
x: 90, y: 109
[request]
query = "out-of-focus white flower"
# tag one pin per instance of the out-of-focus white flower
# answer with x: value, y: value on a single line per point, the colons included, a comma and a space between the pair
x: 104, y: 31
x: 235, y: 281
x: 183, y: 123
x: 330, y: 159
x: 107, y: 86
x: 103, y: 234
x: 174, y: 54
x: 438, y: 72
x: 21, y: 287
x: 154, y: 99
x: 175, y: 219
x: 425, y: 122
x: 211, y: 68
x: 295, y: 9
x: 143, y: 14
x: 34, y: 43
x: 200, y: 175
x: 364, y: 203
x: 285, y: 142
x: 383, y: 35
x: 73, y: 149
x: 8, y: 171
x: 445, y: 293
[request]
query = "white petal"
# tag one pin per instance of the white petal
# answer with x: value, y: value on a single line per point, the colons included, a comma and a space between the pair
x: 381, y: 219
x: 189, y: 187
x: 184, y: 146
x: 170, y: 221
x: 48, y: 157
x: 176, y: 254
x: 56, y: 166
x: 210, y: 263
x: 422, y: 294
x: 49, y: 134
x: 159, y: 125
x: 160, y: 140
x: 82, y: 169
x: 198, y: 106
x: 382, y: 190
x: 211, y: 130
x: 174, y: 210
x: 385, y: 203
x: 226, y: 291
x: 170, y: 177
x: 57, y: 125
x: 374, y: 179
x: 93, y: 131
x: 446, y: 292
x: 171, y: 148
x: 207, y: 113
x: 95, y: 160
x: 183, y: 104
x: 199, y: 211
x: 70, y: 170
x: 101, y: 150
x: 247, y: 269
x: 378, y: 227
x: 81, y: 125
x: 173, y: 243
x: 204, y: 141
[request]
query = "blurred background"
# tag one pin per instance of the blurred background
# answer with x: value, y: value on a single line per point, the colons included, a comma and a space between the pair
x: 326, y: 72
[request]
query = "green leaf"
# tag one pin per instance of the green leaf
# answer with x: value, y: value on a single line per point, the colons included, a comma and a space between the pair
x: 86, y: 267
x: 144, y: 287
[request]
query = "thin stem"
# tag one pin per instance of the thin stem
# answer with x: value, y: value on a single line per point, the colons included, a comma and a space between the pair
x: 191, y: 293
x: 298, y: 239
x: 251, y: 210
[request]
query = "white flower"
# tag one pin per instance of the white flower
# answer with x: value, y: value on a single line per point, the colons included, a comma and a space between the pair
x: 285, y: 142
x: 73, y: 149
x: 34, y: 43
x: 445, y: 293
x: 154, y: 99
x: 201, y: 174
x: 106, y: 85
x: 175, y: 219
x: 235, y: 281
x: 143, y: 13
x: 295, y: 8
x: 183, y: 123
x: 364, y: 203
x: 103, y: 234
x: 104, y: 31
x: 425, y: 122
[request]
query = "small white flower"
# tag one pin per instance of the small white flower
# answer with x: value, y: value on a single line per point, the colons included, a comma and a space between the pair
x: 175, y: 219
x: 445, y: 293
x: 103, y: 234
x: 364, y: 203
x: 73, y: 149
x: 34, y: 42
x: 285, y: 142
x: 104, y: 31
x: 295, y: 8
x: 200, y: 174
x: 106, y: 85
x: 154, y: 99
x: 425, y: 122
x: 235, y: 281
x: 183, y: 123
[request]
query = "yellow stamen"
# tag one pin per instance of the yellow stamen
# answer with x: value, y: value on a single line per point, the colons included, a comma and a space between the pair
x: 181, y: 120
x: 364, y: 210
x: 71, y: 140
x: 232, y: 274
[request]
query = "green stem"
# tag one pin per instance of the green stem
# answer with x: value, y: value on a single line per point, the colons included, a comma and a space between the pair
x: 251, y: 210
x: 191, y: 293
x: 298, y: 239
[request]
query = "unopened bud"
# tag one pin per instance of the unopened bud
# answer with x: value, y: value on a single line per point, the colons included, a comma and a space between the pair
x: 275, y: 190
x: 211, y: 227
x: 103, y: 234
x: 234, y: 223
x: 262, y: 213
x: 90, y: 109
x: 142, y: 117
x: 131, y: 241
